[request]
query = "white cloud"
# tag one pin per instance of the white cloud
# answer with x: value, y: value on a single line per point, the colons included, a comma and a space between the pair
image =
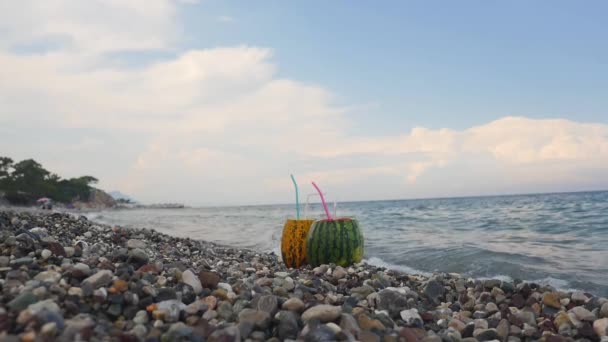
x: 225, y: 19
x: 90, y: 26
x: 219, y: 126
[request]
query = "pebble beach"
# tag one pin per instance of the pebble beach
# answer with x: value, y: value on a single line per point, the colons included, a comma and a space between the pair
x: 66, y: 278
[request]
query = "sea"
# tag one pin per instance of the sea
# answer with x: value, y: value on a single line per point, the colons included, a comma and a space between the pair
x: 558, y: 239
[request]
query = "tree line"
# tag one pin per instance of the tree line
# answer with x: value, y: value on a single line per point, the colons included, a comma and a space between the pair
x: 26, y: 181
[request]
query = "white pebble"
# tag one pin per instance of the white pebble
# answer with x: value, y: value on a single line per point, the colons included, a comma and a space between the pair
x: 46, y: 254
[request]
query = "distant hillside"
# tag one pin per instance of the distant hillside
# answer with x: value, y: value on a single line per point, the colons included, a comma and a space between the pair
x: 25, y: 182
x: 119, y: 196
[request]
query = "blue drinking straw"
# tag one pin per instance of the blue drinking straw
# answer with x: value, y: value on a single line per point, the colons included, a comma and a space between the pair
x: 297, y: 197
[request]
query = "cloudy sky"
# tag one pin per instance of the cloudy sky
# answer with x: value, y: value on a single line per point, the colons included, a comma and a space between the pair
x: 213, y: 102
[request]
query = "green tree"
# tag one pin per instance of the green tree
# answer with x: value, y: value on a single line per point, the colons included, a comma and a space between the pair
x: 27, y: 180
x: 5, y: 173
x: 30, y: 177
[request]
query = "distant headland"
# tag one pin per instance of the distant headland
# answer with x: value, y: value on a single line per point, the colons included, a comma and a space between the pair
x: 27, y: 183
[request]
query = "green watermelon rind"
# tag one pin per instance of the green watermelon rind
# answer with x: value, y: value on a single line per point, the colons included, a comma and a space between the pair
x: 334, y: 241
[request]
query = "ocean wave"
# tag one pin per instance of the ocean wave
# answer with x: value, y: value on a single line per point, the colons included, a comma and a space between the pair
x: 375, y: 261
x: 559, y: 284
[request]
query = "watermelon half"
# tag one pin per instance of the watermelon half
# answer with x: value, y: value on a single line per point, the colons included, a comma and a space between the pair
x: 338, y: 241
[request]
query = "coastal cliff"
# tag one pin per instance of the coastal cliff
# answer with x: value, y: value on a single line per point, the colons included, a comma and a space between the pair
x: 98, y: 199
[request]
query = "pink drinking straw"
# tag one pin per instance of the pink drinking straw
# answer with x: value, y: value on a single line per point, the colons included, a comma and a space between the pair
x: 322, y: 201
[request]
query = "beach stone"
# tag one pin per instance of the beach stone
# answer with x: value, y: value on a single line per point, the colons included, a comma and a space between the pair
x: 69, y: 251
x: 561, y: 318
x: 189, y: 278
x: 491, y: 283
x: 349, y: 324
x: 80, y: 270
x: 264, y: 281
x: 600, y: 327
x: 45, y: 254
x: 579, y: 297
x: 120, y: 285
x: 288, y: 325
x: 134, y: 243
x: 293, y: 304
x: 141, y: 317
x: 487, y: 335
x: 481, y: 324
x: 363, y: 291
x: 196, y: 307
x: 268, y: 303
x: 281, y: 275
x: 178, y: 332
x: 99, y: 279
x: 411, y: 318
x: 210, y: 301
x: 80, y: 325
x: 582, y: 314
x: 586, y: 331
x: 100, y: 294
x: 366, y: 323
x: 48, y: 277
x: 4, y: 261
x: 432, y: 338
x: 555, y: 338
x: 49, y: 330
x: 574, y: 320
x: 503, y: 329
x: 391, y: 301
x: 169, y: 310
x: 491, y: 308
x: 166, y: 293
x: 139, y: 331
x: 529, y: 331
x: 56, y: 248
x: 339, y: 273
x: 604, y: 310
x: 114, y: 310
x: 16, y: 263
x: 185, y: 292
x: 368, y: 336
x: 319, y: 332
x: 22, y: 301
x: 210, y: 315
x: 75, y: 291
x: 224, y: 310
x: 457, y: 324
x: 527, y: 317
x: 552, y: 299
x: 480, y: 314
x: 220, y: 294
x: 259, y: 319
x: 412, y: 334
x: 460, y: 285
x: 324, y: 313
x: 245, y: 328
x: 518, y: 301
x: 209, y: 279
x: 334, y: 327
x: 434, y: 290
x: 150, y: 268
x: 138, y: 256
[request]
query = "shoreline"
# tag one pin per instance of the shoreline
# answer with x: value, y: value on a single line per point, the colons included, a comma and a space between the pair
x: 64, y: 277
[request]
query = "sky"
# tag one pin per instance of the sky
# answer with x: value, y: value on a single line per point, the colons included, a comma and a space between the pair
x: 208, y: 102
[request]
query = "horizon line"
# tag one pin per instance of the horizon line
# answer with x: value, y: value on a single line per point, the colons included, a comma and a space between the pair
x: 408, y: 199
